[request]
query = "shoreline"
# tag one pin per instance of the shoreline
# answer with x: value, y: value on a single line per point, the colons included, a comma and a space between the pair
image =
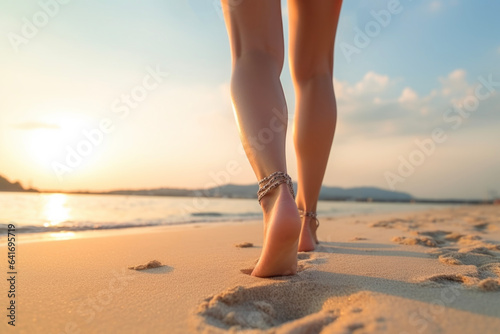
x: 68, y: 234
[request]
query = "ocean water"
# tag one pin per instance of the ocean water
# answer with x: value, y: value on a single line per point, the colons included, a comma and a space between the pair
x: 55, y: 213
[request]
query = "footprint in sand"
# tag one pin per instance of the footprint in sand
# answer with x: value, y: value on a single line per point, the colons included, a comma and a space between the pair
x: 268, y: 306
x: 309, y: 260
x: 452, y: 248
x: 293, y: 306
x: 457, y: 248
x: 481, y: 226
x: 486, y: 277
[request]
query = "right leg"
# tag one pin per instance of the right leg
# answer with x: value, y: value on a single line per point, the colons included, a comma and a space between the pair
x: 256, y: 37
x: 313, y: 26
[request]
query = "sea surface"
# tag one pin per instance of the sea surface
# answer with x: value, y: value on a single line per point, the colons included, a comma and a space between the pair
x: 56, y: 214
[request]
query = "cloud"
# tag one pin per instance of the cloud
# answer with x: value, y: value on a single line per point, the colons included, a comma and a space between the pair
x: 378, y: 105
x: 371, y: 83
x: 408, y: 96
x: 33, y: 125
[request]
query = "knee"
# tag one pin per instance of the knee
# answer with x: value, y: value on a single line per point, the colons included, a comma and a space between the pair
x: 260, y: 57
x: 308, y: 70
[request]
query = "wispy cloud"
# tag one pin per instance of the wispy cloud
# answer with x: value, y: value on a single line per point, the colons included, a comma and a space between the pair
x: 33, y: 125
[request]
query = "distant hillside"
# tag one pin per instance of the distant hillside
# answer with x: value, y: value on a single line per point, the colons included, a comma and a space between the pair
x: 250, y: 191
x: 154, y: 192
x: 327, y: 193
x: 5, y: 185
x: 373, y: 193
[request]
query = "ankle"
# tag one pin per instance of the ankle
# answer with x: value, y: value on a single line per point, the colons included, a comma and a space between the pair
x: 304, y: 204
x: 275, y: 186
x: 281, y: 193
x: 308, y: 213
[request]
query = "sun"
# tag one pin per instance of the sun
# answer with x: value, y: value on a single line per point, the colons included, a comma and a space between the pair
x: 44, y: 145
x: 47, y: 144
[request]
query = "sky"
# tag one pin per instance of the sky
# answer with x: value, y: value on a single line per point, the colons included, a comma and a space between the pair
x: 101, y: 95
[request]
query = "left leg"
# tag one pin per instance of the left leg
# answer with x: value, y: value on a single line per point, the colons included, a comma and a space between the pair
x: 256, y: 37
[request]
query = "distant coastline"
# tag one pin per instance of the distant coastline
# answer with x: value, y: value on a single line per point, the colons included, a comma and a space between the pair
x: 6, y: 185
x: 358, y: 194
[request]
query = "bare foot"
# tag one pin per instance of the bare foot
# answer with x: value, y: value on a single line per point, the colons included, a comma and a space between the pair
x: 308, y: 239
x: 281, y: 234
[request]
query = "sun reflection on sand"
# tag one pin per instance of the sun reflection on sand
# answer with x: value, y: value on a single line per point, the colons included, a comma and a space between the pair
x: 55, y: 210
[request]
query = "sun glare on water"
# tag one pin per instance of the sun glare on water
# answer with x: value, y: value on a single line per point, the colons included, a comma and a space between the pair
x: 55, y: 211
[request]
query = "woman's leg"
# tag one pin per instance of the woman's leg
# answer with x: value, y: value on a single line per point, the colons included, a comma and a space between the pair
x: 313, y: 26
x: 256, y: 37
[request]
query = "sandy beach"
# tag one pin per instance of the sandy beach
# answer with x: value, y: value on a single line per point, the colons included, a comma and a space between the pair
x: 436, y: 271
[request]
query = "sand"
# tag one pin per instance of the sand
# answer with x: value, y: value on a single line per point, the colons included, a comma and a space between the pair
x: 423, y: 272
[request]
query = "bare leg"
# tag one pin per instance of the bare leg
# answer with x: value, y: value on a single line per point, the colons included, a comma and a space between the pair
x: 256, y: 36
x: 313, y: 26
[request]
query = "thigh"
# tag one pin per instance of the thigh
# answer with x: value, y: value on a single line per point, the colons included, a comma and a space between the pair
x: 313, y: 26
x: 254, y: 26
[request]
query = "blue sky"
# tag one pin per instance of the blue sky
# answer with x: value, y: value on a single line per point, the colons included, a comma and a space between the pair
x: 62, y: 82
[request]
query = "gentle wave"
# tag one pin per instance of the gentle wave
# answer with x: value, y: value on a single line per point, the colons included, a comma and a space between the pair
x: 226, y: 214
x: 206, y: 214
x: 81, y: 226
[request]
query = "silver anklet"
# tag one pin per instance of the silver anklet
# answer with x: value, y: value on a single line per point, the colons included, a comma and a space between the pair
x: 273, y: 181
x: 308, y: 214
